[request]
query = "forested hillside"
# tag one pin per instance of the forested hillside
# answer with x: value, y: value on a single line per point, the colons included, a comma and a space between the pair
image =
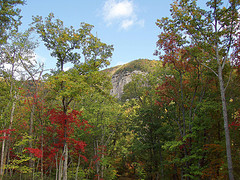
x: 177, y: 117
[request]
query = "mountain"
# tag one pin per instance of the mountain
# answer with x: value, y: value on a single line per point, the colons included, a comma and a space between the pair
x: 122, y: 74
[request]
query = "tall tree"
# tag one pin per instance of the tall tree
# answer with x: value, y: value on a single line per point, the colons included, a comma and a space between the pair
x: 213, y: 30
x: 180, y: 96
x: 67, y: 45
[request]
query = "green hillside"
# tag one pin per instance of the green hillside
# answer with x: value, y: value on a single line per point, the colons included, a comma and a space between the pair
x: 144, y: 65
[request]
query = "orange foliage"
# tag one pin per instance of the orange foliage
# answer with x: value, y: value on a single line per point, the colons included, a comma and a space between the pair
x: 215, y: 169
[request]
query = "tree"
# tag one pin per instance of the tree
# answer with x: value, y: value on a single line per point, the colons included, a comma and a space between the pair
x: 67, y: 45
x: 16, y: 59
x: 144, y: 125
x: 104, y: 114
x: 180, y: 96
x: 213, y: 31
x: 63, y: 42
x: 9, y: 17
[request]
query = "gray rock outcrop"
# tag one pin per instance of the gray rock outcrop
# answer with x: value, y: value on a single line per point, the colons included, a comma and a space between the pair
x: 120, y: 80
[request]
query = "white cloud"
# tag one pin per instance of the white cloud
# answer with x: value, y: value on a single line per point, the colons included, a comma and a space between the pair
x: 127, y: 23
x: 121, y: 12
x: 113, y: 9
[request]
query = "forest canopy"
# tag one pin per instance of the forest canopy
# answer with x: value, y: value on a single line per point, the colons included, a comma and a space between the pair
x: 178, y: 119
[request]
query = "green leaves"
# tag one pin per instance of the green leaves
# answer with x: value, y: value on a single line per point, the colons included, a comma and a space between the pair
x: 172, y: 145
x: 10, y: 17
x: 67, y: 44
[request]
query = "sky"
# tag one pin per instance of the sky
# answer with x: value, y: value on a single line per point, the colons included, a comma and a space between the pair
x: 128, y: 25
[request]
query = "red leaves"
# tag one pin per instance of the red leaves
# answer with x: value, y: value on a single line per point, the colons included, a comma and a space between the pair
x: 50, y: 152
x: 36, y: 152
x: 174, y: 52
x: 62, y: 128
x: 78, y: 145
x: 65, y: 124
x: 59, y: 117
x: 6, y: 132
x: 166, y: 91
x: 101, y: 150
x: 236, y: 122
x: 97, y: 176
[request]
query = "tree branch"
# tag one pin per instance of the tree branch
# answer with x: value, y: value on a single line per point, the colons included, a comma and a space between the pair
x: 210, y: 69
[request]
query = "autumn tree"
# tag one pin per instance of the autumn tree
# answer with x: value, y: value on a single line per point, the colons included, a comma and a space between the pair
x: 67, y: 45
x: 180, y: 99
x: 213, y: 30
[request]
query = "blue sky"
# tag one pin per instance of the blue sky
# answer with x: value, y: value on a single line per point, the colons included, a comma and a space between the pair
x: 129, y: 25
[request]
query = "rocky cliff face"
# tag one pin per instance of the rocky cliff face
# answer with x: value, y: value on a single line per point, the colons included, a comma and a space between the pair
x: 122, y: 74
x: 120, y: 80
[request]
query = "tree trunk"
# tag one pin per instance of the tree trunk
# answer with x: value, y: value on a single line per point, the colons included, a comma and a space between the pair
x: 225, y: 118
x: 76, y: 176
x: 60, y: 169
x: 65, y: 165
x: 102, y: 166
x: 2, y: 157
x: 65, y: 150
x: 42, y: 173
x: 222, y: 91
x: 56, y: 157
x: 97, y: 162
x: 31, y: 162
x: 5, y: 143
